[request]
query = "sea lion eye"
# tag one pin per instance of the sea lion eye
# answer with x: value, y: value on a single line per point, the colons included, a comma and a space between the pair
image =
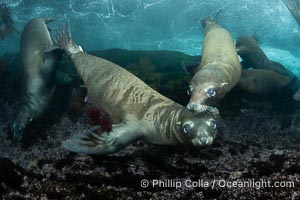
x: 187, y: 128
x: 213, y: 124
x: 211, y: 92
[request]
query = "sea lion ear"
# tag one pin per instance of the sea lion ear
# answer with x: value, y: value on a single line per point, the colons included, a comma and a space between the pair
x: 223, y: 84
x: 178, y: 123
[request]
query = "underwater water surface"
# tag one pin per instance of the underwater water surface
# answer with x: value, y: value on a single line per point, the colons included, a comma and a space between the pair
x: 258, y: 141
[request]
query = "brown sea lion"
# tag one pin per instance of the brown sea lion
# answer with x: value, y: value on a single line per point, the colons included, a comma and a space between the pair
x: 142, y: 112
x: 254, y: 57
x: 219, y: 70
x: 262, y: 82
x: 38, y: 59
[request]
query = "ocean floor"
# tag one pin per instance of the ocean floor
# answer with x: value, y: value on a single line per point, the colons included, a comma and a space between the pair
x: 251, y: 147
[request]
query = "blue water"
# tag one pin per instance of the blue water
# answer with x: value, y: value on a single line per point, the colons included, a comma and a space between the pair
x: 165, y: 24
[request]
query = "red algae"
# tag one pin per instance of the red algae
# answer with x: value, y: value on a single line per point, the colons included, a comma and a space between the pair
x: 99, y: 117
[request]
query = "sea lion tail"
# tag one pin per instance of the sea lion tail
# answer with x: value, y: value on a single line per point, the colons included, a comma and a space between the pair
x: 63, y: 40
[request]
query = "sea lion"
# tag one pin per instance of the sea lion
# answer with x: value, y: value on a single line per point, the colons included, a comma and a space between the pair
x: 219, y: 70
x: 142, y: 112
x: 254, y: 57
x: 262, y: 82
x: 38, y: 59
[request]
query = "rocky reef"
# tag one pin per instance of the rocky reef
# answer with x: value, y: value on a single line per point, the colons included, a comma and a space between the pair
x: 258, y: 143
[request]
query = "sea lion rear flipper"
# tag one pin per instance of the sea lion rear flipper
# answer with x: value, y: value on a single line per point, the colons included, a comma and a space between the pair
x: 93, y: 142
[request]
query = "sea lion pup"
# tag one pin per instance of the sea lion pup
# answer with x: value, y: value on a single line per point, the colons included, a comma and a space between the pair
x: 142, y: 112
x: 38, y: 59
x: 254, y: 57
x: 219, y: 70
x: 262, y: 82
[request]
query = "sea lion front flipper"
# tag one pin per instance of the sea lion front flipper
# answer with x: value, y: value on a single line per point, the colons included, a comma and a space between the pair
x: 189, y: 68
x: 296, y: 95
x: 93, y: 142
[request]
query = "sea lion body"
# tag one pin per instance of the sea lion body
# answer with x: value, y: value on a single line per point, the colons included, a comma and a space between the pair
x: 219, y: 70
x: 141, y: 112
x: 38, y: 72
x: 262, y: 82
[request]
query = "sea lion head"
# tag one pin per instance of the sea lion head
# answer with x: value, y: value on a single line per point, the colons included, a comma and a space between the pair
x: 205, y: 91
x: 246, y: 45
x: 207, y: 86
x: 198, y: 129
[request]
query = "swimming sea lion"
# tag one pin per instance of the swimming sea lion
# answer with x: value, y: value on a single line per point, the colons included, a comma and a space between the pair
x: 219, y: 70
x: 254, y: 57
x: 142, y: 112
x: 262, y: 82
x: 39, y: 62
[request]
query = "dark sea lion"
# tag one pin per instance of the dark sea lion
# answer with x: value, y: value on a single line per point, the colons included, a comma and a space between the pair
x: 219, y: 70
x: 254, y: 57
x: 38, y: 60
x: 142, y: 112
x: 262, y: 82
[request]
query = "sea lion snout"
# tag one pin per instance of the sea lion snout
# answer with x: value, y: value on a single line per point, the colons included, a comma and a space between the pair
x: 204, y: 137
x: 198, y: 95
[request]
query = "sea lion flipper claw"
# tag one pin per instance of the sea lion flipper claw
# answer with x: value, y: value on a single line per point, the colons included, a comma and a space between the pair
x: 93, y: 142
